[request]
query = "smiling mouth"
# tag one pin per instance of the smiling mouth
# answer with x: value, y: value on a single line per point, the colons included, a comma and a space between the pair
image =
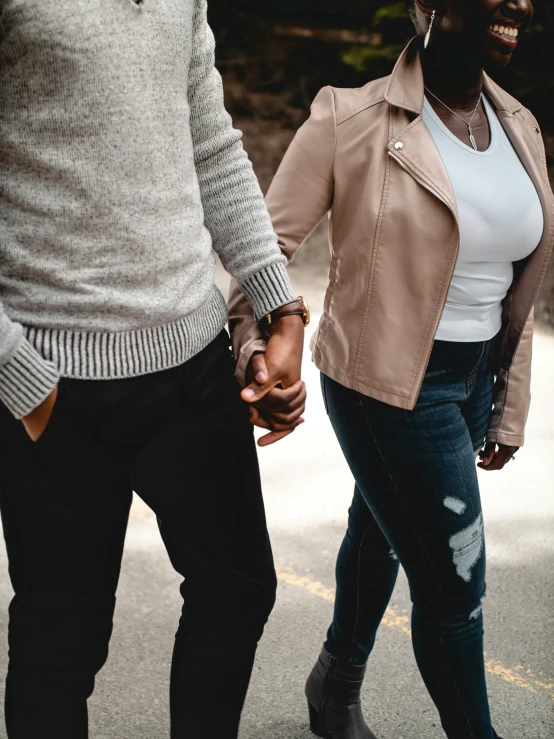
x: 507, y: 34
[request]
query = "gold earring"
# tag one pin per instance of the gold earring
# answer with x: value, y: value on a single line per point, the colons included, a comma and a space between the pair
x: 428, y: 34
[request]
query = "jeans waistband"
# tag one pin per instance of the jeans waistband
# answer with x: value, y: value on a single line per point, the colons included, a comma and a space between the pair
x: 463, y: 355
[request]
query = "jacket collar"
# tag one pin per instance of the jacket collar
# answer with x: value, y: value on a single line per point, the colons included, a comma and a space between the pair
x: 406, y: 90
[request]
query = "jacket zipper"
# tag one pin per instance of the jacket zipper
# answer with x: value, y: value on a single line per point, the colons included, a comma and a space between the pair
x: 442, y: 199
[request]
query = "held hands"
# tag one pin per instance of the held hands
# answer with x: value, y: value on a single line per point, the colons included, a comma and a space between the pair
x: 275, y: 393
x: 495, y: 459
x: 36, y: 422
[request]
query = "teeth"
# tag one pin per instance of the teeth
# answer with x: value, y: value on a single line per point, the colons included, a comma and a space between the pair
x: 505, y: 31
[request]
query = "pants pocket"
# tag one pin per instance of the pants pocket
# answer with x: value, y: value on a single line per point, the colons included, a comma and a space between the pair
x: 57, y: 410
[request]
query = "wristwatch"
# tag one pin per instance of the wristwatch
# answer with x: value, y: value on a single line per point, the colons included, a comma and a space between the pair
x: 298, y: 307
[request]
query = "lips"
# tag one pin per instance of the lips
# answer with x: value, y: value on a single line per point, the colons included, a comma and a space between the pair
x: 506, y: 35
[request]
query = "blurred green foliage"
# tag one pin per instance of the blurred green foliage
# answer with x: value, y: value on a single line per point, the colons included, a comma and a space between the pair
x: 299, y: 65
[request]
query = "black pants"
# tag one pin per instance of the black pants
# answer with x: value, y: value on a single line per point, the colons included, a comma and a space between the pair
x: 182, y: 440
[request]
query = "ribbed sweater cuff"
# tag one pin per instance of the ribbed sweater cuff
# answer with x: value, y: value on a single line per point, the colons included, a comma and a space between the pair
x: 268, y: 289
x: 26, y: 380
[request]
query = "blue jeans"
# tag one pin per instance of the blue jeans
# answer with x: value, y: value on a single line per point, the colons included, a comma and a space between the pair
x: 417, y: 503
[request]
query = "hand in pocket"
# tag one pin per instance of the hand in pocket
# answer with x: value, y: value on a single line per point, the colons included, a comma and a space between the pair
x: 36, y: 422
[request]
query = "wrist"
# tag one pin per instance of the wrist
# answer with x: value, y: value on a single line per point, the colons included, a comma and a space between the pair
x: 297, y: 309
x: 287, y: 325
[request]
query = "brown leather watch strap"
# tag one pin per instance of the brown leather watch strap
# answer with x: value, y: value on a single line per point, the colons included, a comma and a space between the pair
x: 298, y: 307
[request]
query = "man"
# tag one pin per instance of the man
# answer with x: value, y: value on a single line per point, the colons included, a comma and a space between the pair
x: 120, y: 170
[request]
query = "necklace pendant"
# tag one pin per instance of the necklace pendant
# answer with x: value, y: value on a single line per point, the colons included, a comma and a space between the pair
x: 472, y: 138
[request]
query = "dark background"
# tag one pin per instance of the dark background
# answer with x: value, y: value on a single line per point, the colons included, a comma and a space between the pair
x: 275, y: 55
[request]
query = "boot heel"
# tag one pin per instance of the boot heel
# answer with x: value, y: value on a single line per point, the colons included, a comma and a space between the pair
x: 317, y: 724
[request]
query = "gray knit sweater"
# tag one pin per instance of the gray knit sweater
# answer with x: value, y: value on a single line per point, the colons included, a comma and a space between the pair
x: 119, y: 172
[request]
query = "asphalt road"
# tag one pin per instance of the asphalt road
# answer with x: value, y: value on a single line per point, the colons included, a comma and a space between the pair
x: 308, y: 489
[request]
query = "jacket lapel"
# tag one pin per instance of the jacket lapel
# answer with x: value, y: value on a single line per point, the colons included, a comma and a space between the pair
x: 415, y: 150
x: 413, y: 147
x: 411, y: 144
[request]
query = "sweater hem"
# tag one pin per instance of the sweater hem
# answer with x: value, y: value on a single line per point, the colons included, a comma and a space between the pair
x: 104, y: 355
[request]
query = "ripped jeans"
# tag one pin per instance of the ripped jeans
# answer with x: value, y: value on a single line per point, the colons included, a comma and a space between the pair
x: 417, y: 503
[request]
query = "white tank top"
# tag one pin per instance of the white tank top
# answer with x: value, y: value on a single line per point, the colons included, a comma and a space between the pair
x: 501, y: 221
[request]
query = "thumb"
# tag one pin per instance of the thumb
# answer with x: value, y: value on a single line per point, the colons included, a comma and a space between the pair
x: 256, y: 391
x: 487, y: 454
x: 259, y: 368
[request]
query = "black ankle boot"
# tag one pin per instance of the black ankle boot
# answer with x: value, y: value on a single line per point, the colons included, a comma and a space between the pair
x: 333, y: 693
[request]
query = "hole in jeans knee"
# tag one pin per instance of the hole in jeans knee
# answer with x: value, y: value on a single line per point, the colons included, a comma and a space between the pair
x: 455, y: 505
x: 474, y: 615
x: 467, y: 548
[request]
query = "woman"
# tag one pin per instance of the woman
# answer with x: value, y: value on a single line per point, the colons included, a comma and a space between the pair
x: 441, y: 225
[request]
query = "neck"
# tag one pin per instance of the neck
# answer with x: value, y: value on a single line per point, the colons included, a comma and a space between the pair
x: 454, y: 77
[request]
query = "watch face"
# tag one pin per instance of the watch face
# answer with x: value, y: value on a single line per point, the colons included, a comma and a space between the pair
x: 307, y: 315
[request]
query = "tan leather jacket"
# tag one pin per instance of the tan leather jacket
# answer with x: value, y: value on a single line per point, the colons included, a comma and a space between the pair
x: 366, y: 156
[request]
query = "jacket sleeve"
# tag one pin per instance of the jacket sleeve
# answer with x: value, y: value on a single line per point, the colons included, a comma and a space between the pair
x: 234, y: 210
x: 299, y: 197
x: 26, y: 378
x: 512, y: 394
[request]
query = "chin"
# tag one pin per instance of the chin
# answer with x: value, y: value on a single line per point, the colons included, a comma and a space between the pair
x: 498, y: 51
x: 496, y: 60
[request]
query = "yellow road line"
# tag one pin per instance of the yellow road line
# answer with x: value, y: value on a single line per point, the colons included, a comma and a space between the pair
x: 522, y: 677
